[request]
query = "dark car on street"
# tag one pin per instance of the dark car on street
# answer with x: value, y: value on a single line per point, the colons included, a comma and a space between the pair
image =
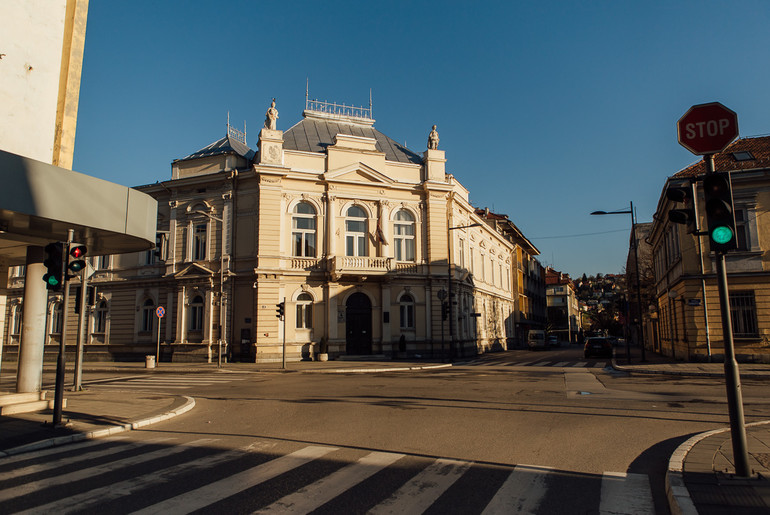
x: 598, y: 346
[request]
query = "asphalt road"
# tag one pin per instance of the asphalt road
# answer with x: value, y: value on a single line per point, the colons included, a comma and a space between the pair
x: 549, y: 428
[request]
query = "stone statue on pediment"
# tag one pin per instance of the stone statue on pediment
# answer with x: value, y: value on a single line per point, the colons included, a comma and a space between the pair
x: 271, y: 117
x: 433, y: 139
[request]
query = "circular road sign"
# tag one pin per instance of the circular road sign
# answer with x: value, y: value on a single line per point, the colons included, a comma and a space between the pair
x: 160, y: 311
x: 707, y: 128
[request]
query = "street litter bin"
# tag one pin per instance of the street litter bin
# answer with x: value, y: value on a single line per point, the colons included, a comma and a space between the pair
x: 149, y: 362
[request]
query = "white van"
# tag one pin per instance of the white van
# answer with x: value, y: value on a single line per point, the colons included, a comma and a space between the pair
x: 536, y: 339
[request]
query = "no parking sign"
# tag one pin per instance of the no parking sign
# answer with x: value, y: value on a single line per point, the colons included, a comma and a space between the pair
x: 160, y: 311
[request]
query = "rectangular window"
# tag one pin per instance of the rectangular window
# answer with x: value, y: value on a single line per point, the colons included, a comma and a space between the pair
x: 741, y: 230
x: 743, y: 311
x: 199, y: 242
x: 407, y: 316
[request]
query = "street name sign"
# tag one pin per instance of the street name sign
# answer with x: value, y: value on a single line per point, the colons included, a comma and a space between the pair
x: 707, y: 128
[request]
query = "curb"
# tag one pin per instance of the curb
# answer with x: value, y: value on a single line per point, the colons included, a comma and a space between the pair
x: 77, y: 437
x: 375, y: 370
x: 679, y: 500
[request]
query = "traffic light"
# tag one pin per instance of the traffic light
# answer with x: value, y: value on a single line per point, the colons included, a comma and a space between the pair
x: 54, y: 264
x: 719, y: 212
x: 686, y: 215
x: 279, y: 310
x: 74, y: 262
x: 444, y: 310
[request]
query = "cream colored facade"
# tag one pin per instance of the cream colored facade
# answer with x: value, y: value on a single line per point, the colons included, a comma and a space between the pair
x: 684, y: 320
x: 353, y: 231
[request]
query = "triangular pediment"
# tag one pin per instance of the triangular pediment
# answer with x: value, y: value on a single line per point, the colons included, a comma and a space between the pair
x: 194, y: 270
x: 358, y: 172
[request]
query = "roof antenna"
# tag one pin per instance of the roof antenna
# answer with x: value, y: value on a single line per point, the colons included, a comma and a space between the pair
x: 371, y: 113
x: 307, y: 90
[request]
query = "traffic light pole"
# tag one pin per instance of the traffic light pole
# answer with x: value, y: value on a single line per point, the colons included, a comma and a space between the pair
x: 59, y: 392
x: 732, y: 376
x: 77, y: 382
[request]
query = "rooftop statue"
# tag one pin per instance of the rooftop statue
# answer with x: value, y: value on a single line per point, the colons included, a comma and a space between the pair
x: 433, y: 139
x: 271, y: 117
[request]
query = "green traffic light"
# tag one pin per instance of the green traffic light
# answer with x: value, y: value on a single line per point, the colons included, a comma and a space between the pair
x: 53, y: 281
x: 722, y: 234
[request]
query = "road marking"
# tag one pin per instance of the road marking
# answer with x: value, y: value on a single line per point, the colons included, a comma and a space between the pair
x: 421, y: 492
x: 625, y: 494
x: 324, y: 490
x: 231, y: 485
x: 40, y: 467
x: 561, y: 363
x: 34, y: 486
x: 26, y: 456
x: 522, y: 492
x: 580, y: 364
x: 135, y: 484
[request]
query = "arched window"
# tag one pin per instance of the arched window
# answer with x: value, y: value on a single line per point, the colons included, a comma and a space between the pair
x: 100, y: 317
x: 196, y: 313
x: 304, y: 311
x: 148, y: 315
x: 355, y: 232
x: 403, y: 230
x: 407, y: 312
x: 303, y: 230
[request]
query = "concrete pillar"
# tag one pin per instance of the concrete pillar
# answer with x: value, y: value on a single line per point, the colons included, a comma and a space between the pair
x: 29, y: 375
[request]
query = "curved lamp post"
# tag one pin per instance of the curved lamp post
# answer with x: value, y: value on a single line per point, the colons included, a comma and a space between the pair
x: 636, y: 266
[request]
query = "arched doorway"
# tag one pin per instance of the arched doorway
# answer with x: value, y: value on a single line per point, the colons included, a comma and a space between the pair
x: 358, y: 325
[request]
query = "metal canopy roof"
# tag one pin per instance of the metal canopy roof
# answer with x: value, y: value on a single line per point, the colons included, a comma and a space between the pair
x: 40, y: 202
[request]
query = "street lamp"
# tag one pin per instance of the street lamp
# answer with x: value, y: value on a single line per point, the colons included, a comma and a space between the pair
x: 449, y: 281
x: 222, y: 309
x: 636, y: 266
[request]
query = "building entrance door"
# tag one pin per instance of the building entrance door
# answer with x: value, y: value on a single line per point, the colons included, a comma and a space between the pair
x: 358, y: 325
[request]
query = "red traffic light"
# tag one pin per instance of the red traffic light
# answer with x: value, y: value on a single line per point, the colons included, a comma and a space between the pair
x: 78, y: 251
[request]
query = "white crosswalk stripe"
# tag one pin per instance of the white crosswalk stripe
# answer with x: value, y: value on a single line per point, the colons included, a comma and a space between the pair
x: 539, y: 363
x: 522, y: 492
x: 417, y: 484
x: 625, y: 494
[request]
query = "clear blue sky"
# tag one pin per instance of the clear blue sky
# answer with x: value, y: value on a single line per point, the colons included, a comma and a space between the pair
x: 546, y: 110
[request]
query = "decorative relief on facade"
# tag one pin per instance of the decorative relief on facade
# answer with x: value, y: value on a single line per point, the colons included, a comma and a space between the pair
x: 266, y: 179
x: 173, y: 204
x: 227, y: 196
x: 483, y: 244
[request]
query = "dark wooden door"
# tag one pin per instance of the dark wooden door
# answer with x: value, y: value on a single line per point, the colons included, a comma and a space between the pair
x: 358, y: 325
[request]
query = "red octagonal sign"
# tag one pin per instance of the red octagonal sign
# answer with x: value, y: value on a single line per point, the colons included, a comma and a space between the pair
x: 707, y: 128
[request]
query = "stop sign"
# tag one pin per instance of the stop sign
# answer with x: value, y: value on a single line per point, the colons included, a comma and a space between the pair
x: 707, y: 128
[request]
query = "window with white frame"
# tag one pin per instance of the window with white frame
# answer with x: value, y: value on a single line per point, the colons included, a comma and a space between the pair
x: 303, y: 230
x: 403, y: 229
x: 200, y: 233
x: 100, y: 317
x: 148, y: 315
x: 461, y: 253
x: 102, y: 262
x: 196, y: 314
x: 304, y: 311
x: 742, y: 233
x: 56, y: 318
x: 355, y: 232
x: 406, y: 309
x: 16, y: 322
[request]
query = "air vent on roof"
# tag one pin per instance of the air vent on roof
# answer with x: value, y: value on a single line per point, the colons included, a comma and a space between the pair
x: 743, y: 156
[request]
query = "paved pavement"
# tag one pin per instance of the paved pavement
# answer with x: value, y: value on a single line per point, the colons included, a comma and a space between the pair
x: 700, y: 478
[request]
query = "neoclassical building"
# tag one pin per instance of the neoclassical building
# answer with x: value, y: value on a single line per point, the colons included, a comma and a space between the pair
x: 360, y: 238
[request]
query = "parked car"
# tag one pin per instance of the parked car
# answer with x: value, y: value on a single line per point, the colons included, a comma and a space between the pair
x: 553, y: 341
x: 536, y: 339
x: 599, y: 347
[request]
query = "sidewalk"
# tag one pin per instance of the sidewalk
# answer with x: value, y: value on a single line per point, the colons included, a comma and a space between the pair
x: 698, y: 479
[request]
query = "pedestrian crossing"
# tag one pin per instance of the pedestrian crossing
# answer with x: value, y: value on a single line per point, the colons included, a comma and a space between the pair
x: 164, y: 382
x: 540, y: 363
x: 168, y: 476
